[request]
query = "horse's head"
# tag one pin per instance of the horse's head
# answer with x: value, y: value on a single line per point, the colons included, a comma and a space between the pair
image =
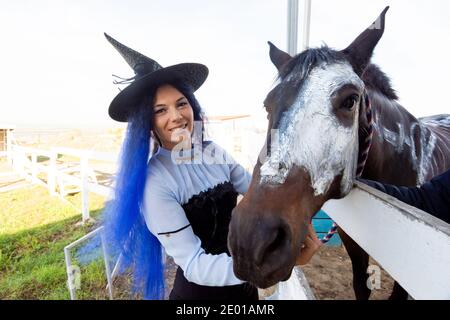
x: 310, y: 154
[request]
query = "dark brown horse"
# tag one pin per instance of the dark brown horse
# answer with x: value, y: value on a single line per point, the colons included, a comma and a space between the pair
x: 318, y: 112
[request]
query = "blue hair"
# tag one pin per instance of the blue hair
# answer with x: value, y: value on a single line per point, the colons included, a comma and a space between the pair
x: 126, y: 231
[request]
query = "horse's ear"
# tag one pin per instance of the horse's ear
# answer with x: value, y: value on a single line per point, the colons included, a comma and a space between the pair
x: 278, y: 57
x: 360, y: 50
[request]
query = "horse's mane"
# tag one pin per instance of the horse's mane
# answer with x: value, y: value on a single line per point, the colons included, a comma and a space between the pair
x: 304, y: 62
x: 376, y: 79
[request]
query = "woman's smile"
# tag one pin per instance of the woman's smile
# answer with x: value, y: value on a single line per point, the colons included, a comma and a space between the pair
x: 184, y: 126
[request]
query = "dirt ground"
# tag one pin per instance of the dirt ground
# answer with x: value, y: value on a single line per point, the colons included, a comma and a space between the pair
x: 329, y: 274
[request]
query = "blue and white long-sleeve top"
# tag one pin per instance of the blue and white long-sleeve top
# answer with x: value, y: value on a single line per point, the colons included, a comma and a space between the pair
x: 170, y: 185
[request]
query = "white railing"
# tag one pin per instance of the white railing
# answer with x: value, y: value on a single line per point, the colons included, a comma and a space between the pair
x: 79, y: 174
x: 410, y: 244
x: 73, y: 271
x: 74, y: 276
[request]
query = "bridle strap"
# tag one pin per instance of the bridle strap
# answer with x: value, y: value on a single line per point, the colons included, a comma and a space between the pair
x: 364, y: 152
x: 362, y: 156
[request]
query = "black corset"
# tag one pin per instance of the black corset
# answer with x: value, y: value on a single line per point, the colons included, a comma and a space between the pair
x: 209, y: 214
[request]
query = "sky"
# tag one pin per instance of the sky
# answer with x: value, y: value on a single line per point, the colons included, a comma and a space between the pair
x: 56, y: 66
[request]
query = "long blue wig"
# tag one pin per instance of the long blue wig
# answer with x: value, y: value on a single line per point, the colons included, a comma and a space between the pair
x: 125, y: 229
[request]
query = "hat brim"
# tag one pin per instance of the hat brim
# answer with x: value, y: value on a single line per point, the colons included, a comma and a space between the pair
x: 125, y: 103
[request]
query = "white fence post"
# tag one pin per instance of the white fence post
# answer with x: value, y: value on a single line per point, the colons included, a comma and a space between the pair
x: 13, y: 155
x: 52, y: 173
x: 34, y: 168
x: 84, y: 188
x: 306, y: 24
x: 107, y: 267
x: 292, y: 27
x: 70, y: 275
x: 21, y: 165
x: 9, y: 146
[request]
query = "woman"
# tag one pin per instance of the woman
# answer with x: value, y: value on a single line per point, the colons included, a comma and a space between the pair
x: 180, y: 199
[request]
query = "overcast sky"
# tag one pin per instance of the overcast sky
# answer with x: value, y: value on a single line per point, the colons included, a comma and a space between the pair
x: 56, y: 65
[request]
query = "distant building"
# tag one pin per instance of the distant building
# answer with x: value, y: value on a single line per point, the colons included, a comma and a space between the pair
x: 6, y: 138
x: 242, y: 136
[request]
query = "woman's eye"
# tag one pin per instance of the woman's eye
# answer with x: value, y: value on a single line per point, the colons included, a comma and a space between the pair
x: 350, y: 102
x: 159, y: 111
x: 182, y: 104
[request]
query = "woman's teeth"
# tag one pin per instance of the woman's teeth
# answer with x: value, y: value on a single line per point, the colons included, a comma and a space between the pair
x: 181, y: 127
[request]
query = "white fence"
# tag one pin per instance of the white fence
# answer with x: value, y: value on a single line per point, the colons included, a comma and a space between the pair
x: 410, y: 244
x: 64, y: 176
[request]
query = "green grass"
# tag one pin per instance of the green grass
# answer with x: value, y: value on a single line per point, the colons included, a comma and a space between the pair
x: 34, y: 229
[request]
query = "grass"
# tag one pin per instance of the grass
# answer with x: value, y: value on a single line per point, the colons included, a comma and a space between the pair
x: 34, y: 229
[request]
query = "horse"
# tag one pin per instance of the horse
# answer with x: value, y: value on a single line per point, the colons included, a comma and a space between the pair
x: 321, y: 111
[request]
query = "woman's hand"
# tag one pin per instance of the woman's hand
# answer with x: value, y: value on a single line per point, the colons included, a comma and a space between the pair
x: 309, y: 247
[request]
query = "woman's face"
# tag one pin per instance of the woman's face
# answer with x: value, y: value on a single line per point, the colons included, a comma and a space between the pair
x: 173, y: 116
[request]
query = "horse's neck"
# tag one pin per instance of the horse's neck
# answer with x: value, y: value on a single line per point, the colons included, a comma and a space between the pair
x: 401, y: 146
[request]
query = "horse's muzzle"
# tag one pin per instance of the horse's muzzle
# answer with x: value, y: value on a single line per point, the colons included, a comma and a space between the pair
x: 261, y: 247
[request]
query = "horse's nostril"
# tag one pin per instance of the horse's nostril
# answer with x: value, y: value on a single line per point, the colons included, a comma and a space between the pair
x: 278, y: 241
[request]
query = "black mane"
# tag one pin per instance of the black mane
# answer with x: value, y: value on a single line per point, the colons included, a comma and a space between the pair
x: 376, y: 79
x: 304, y: 62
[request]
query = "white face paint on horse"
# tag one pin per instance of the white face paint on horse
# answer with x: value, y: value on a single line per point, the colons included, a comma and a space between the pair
x: 311, y: 136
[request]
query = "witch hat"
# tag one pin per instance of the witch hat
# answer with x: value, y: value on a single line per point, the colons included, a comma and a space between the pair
x: 148, y: 74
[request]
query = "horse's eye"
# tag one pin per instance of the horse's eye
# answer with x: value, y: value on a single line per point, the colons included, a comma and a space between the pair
x: 350, y: 102
x: 281, y: 166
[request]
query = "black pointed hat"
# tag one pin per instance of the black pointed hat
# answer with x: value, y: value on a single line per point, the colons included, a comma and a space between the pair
x: 148, y: 74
